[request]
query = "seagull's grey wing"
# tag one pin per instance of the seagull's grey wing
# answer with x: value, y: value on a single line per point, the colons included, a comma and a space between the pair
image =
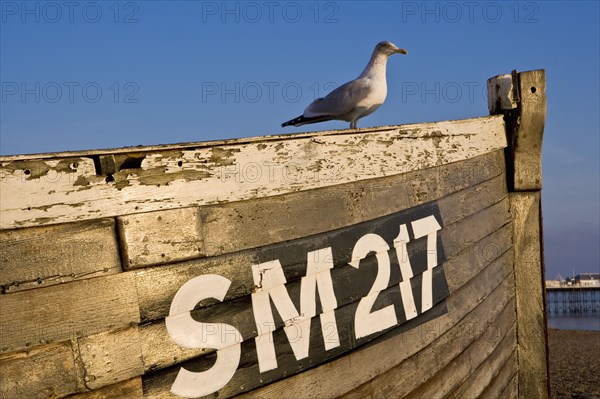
x: 340, y: 101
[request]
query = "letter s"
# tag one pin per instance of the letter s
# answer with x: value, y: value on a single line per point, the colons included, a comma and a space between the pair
x: 189, y: 333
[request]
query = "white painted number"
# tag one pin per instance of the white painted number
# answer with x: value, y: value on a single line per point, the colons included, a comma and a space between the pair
x: 365, y: 321
x: 428, y: 227
x: 408, y: 301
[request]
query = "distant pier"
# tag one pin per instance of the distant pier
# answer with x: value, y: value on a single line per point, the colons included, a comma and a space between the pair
x: 573, y: 300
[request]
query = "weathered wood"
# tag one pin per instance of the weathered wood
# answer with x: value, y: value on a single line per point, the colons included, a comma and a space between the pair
x: 347, y: 373
x: 61, y: 312
x: 111, y: 357
x: 233, y: 172
x: 502, y: 379
x: 489, y: 368
x: 512, y: 389
x: 46, y: 371
x: 124, y: 152
x: 502, y: 94
x: 471, y: 372
x: 162, y: 357
x: 456, y: 371
x: 526, y: 143
x: 531, y: 332
x: 426, y: 374
x: 42, y: 256
x: 525, y: 126
x: 130, y: 389
x: 160, y: 237
x: 169, y: 353
x: 239, y: 313
x: 351, y: 285
x: 253, y: 223
x: 157, y: 286
x: 159, y: 351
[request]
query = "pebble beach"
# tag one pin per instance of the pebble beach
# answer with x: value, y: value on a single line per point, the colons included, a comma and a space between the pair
x: 574, y: 364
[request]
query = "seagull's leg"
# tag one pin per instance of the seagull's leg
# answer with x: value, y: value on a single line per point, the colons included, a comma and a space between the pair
x: 353, y: 125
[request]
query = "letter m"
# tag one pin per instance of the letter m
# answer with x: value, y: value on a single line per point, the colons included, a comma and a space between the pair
x: 270, y: 280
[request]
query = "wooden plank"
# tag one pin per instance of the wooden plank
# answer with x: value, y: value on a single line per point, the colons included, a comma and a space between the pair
x: 503, y: 379
x: 248, y: 224
x: 423, y: 374
x: 477, y: 255
x: 512, y: 389
x: 171, y: 179
x: 46, y: 371
x: 159, y: 351
x: 454, y: 380
x: 160, y: 237
x: 488, y: 368
x: 73, y: 366
x: 526, y: 142
x: 502, y: 94
x: 346, y: 373
x: 22, y: 182
x: 522, y: 98
x: 533, y: 376
x: 157, y: 286
x: 61, y: 312
x: 42, y: 256
x: 130, y: 389
x: 111, y: 357
x: 124, y: 151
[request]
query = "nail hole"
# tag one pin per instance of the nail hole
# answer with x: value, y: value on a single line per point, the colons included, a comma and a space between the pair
x: 27, y: 172
x: 109, y: 179
x: 533, y: 89
x: 180, y: 164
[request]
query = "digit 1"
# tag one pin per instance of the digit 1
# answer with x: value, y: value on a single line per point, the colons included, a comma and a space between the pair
x: 408, y: 301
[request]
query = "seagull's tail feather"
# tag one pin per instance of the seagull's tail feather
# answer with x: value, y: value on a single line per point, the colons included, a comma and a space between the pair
x: 301, y: 120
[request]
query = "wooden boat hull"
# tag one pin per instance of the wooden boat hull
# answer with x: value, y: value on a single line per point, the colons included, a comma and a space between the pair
x: 384, y: 262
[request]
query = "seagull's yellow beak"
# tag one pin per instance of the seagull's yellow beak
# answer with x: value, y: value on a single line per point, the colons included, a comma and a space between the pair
x: 401, y: 51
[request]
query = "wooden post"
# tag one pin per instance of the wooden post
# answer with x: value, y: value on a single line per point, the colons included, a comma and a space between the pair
x: 521, y: 97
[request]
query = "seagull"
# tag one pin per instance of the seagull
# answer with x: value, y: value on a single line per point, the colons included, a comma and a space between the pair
x: 355, y: 99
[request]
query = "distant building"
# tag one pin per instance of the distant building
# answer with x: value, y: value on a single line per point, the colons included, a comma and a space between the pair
x: 588, y: 280
x: 558, y: 282
x: 580, y: 280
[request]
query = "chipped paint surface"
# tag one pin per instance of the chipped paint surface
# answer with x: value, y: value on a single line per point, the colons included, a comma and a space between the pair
x: 55, y: 190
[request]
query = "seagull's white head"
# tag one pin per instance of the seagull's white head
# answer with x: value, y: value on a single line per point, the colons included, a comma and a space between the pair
x: 389, y: 48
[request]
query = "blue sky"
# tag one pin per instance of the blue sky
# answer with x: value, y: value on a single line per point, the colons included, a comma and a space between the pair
x: 98, y: 74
